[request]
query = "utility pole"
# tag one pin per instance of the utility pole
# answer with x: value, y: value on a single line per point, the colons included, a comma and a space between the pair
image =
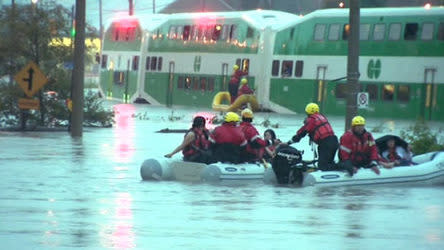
x: 352, y: 63
x: 154, y: 6
x: 78, y: 71
x: 131, y: 7
x: 100, y: 28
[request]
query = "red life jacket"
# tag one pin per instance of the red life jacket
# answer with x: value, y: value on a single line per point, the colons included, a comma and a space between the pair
x: 255, y: 144
x: 228, y: 133
x: 360, y: 149
x: 200, y: 142
x: 393, y: 155
x: 244, y: 90
x: 236, y: 76
x: 317, y: 127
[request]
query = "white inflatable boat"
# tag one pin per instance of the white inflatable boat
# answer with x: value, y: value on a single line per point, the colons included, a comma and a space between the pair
x: 173, y: 169
x: 429, y: 171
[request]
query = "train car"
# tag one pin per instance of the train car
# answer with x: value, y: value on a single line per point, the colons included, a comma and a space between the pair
x: 187, y: 58
x: 401, y: 62
x: 123, y: 45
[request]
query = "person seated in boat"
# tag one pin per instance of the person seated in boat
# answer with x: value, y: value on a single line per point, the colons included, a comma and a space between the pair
x: 227, y: 140
x: 270, y: 150
x: 255, y: 144
x: 195, y: 145
x: 318, y: 128
x: 357, y: 148
x: 396, y: 154
x: 233, y: 86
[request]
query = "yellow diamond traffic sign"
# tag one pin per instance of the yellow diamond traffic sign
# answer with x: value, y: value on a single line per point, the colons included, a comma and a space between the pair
x: 30, y: 79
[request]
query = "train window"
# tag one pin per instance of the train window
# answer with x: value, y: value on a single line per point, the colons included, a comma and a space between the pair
x: 410, y: 31
x: 194, y: 33
x: 180, y: 82
x: 203, y: 83
x: 299, y: 68
x: 233, y: 32
x: 210, y: 86
x: 224, y: 34
x: 275, y: 68
x: 287, y: 68
x: 291, y: 33
x: 179, y: 32
x: 427, y: 31
x: 104, y: 61
x: 209, y: 32
x: 403, y: 93
x: 186, y: 32
x: 135, y: 63
x: 217, y: 32
x: 372, y: 90
x: 379, y: 32
x: 364, y: 31
x: 172, y: 32
x: 195, y: 83
x: 153, y: 62
x: 333, y: 32
x: 346, y: 31
x: 341, y: 90
x: 119, y: 77
x: 238, y: 61
x: 441, y: 31
x: 245, y: 65
x: 387, y: 92
x: 187, y: 82
x: 394, y: 31
x: 159, y: 63
x: 147, y: 63
x: 319, y: 32
x: 250, y: 32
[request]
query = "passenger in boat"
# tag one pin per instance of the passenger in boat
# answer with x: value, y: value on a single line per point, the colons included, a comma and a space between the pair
x: 358, y: 148
x: 397, y: 155
x: 270, y: 150
x: 233, y: 86
x: 227, y: 140
x: 195, y: 145
x: 320, y: 131
x: 255, y: 144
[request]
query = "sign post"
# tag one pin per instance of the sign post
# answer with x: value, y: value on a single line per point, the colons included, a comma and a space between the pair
x: 362, y: 100
x: 30, y: 79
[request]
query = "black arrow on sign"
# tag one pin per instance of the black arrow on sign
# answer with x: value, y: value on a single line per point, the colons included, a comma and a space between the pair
x: 29, y: 79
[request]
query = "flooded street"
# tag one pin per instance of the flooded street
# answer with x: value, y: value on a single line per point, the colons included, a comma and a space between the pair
x: 58, y: 192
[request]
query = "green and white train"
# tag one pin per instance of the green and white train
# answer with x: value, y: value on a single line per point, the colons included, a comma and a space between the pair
x: 186, y: 59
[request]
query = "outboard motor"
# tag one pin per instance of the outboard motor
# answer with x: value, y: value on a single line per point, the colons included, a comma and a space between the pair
x: 284, y: 165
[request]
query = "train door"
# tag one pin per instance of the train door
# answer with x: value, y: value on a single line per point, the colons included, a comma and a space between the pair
x: 429, y: 96
x: 169, y: 98
x: 223, y: 86
x: 321, y: 88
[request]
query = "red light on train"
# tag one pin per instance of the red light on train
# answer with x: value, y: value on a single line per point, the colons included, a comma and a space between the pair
x: 427, y: 6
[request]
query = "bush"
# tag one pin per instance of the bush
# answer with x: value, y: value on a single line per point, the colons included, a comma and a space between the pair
x: 421, y: 138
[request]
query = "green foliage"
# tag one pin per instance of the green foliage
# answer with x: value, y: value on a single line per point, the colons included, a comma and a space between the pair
x: 421, y: 138
x: 94, y: 113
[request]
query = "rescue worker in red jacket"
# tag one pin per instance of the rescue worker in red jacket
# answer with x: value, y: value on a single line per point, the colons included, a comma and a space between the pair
x: 320, y: 131
x: 244, y: 88
x: 256, y: 145
x: 358, y: 148
x: 233, y: 86
x: 228, y: 140
x: 195, y: 145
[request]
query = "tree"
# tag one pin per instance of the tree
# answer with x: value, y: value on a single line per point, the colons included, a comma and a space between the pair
x: 41, y: 31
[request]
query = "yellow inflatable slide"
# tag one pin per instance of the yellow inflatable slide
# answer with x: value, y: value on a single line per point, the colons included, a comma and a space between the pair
x: 225, y: 97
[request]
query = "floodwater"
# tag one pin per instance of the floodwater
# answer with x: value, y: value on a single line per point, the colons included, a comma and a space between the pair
x: 58, y: 192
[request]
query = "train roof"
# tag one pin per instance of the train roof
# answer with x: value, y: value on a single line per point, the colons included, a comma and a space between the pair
x: 256, y: 18
x: 400, y: 11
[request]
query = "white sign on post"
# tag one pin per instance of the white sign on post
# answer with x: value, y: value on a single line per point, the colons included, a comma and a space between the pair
x: 362, y: 100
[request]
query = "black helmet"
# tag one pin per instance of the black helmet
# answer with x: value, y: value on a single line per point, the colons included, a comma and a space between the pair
x: 198, y: 121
